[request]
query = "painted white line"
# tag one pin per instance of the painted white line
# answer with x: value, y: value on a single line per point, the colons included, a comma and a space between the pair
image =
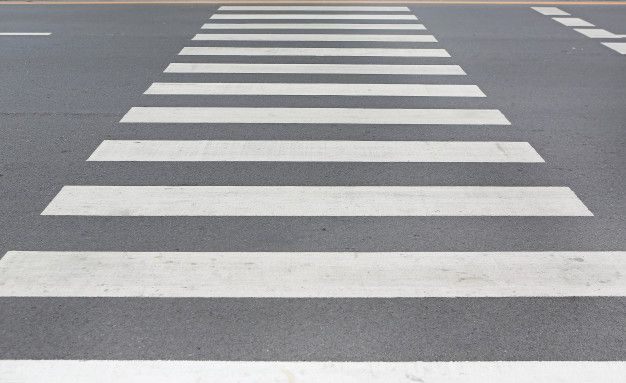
x: 311, y: 8
x: 312, y: 275
x: 316, y: 201
x: 309, y: 16
x: 357, y: 69
x: 617, y: 47
x: 597, y: 33
x: 315, y: 89
x: 313, y: 37
x: 373, y: 52
x: 326, y: 26
x: 168, y: 371
x: 550, y: 11
x: 316, y: 151
x: 201, y: 115
x: 25, y: 33
x: 573, y: 22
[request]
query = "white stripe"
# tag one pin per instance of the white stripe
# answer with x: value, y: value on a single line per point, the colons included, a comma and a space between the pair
x: 316, y: 151
x: 200, y: 115
x: 550, y: 11
x: 312, y: 37
x: 168, y: 371
x: 597, y: 33
x: 309, y: 16
x: 617, y: 47
x: 315, y: 68
x: 312, y: 275
x: 25, y: 33
x: 311, y: 8
x: 315, y: 89
x: 316, y: 201
x: 327, y: 26
x: 572, y: 22
x: 377, y: 52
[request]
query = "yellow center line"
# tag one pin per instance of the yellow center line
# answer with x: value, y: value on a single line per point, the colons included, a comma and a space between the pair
x: 432, y: 2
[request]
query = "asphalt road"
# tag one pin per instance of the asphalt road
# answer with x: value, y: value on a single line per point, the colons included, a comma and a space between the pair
x: 62, y: 95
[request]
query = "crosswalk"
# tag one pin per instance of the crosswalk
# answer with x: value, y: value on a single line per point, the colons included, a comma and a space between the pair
x: 312, y: 274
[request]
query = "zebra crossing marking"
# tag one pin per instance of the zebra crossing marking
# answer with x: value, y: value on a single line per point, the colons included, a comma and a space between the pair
x: 596, y: 33
x: 307, y: 201
x: 550, y: 11
x: 573, y: 22
x: 617, y: 47
x: 309, y: 16
x: 282, y: 51
x: 312, y: 8
x: 312, y: 37
x: 25, y: 33
x: 326, y: 26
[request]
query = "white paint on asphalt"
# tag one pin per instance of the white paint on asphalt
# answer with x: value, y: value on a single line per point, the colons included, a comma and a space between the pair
x: 357, y: 69
x: 180, y: 371
x: 314, y: 89
x: 312, y: 275
x: 617, y: 47
x: 201, y: 115
x: 281, y: 51
x: 550, y: 11
x: 324, y: 8
x: 326, y: 26
x: 316, y: 151
x: 25, y: 33
x: 312, y: 37
x: 595, y: 33
x: 573, y: 22
x: 316, y: 201
x: 309, y: 16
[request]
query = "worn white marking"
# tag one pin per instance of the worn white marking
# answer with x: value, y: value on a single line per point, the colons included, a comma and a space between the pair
x: 309, y: 16
x: 280, y: 51
x: 357, y: 69
x: 200, y: 115
x: 316, y: 151
x: 312, y: 275
x: 311, y: 8
x: 597, y: 33
x: 326, y: 26
x: 315, y: 89
x: 617, y: 47
x: 550, y: 11
x: 573, y: 22
x: 312, y: 37
x: 316, y: 201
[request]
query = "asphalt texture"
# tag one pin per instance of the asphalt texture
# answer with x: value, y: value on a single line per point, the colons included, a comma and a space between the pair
x: 62, y: 95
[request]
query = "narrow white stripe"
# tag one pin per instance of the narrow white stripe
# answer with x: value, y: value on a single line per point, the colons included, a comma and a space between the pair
x: 315, y: 89
x: 597, y: 33
x: 573, y: 22
x: 316, y: 201
x: 312, y: 275
x: 311, y: 8
x: 162, y: 371
x: 25, y: 33
x: 313, y: 37
x: 200, y: 115
x: 315, y: 68
x: 550, y: 11
x: 327, y: 26
x: 617, y: 47
x: 316, y: 151
x: 309, y: 16
x: 245, y: 51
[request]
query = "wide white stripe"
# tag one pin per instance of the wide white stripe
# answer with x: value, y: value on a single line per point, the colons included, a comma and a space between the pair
x: 573, y: 22
x: 315, y: 68
x: 327, y: 26
x: 25, y: 33
x: 311, y: 8
x: 279, y: 51
x: 312, y: 37
x: 312, y: 275
x: 200, y: 115
x: 315, y: 89
x: 550, y: 11
x: 617, y: 47
x: 316, y: 201
x: 597, y: 33
x: 162, y: 371
x: 316, y: 151
x: 309, y: 16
